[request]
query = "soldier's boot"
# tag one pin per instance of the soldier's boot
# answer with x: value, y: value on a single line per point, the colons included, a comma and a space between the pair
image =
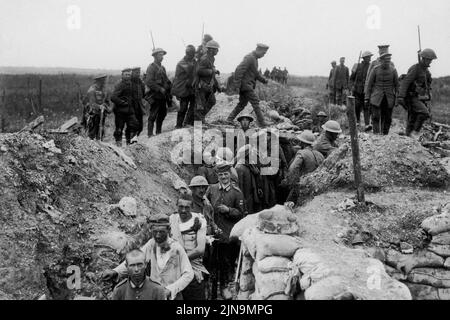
x: 134, y: 139
x: 158, y: 127
x: 150, y: 128
x: 259, y: 117
x: 238, y: 109
x: 420, y: 120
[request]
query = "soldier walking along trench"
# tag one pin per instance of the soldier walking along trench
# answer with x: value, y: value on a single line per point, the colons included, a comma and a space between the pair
x: 95, y: 111
x: 159, y: 92
x: 245, y: 78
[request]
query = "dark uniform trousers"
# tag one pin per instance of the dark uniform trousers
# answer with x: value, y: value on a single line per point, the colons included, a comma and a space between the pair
x: 382, y: 117
x: 94, y: 126
x: 128, y: 119
x: 332, y: 95
x: 186, y: 113
x: 195, y: 290
x: 339, y: 93
x: 158, y: 112
x: 244, y: 98
x: 360, y: 106
x: 205, y: 100
x: 417, y: 114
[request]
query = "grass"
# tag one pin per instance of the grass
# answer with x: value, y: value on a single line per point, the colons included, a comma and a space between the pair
x: 19, y: 97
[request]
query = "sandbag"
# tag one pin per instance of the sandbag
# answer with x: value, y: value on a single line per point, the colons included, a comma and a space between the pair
x: 269, y: 284
x: 440, y: 249
x: 447, y: 263
x: 423, y: 292
x: 246, y: 278
x: 261, y: 245
x: 406, y: 263
x: 273, y: 264
x: 312, y: 266
x: 442, y: 238
x: 278, y: 220
x: 438, y: 278
x: 437, y: 224
x: 326, y: 289
x: 249, y: 221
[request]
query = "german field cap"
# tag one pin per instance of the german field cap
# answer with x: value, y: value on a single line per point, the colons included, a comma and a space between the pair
x: 103, y: 76
x: 262, y: 46
x: 223, y: 167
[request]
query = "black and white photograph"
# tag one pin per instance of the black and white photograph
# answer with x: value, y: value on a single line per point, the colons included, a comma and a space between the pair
x: 237, y: 152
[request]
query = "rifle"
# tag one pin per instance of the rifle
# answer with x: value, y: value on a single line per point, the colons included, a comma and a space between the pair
x: 427, y: 96
x: 356, y: 70
x: 102, y: 118
x: 153, y: 42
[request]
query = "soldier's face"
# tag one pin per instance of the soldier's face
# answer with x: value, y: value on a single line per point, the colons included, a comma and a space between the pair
x: 260, y: 52
x: 199, y: 191
x: 366, y: 59
x: 159, y: 57
x: 245, y: 124
x: 126, y: 75
x: 342, y: 61
x: 213, y: 51
x: 333, y: 64
x: 136, y: 265
x: 160, y: 233
x: 135, y: 74
x: 184, y: 209
x: 224, y: 177
x: 426, y: 62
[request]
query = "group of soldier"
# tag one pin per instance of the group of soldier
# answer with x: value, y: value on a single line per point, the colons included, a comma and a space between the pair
x: 278, y: 75
x: 377, y: 89
x: 194, y: 85
x: 191, y: 254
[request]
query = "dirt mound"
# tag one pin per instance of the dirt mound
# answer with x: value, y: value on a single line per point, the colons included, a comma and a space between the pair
x: 58, y: 209
x: 385, y: 160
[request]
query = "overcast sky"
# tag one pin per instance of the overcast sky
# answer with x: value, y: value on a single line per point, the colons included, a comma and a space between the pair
x: 303, y: 36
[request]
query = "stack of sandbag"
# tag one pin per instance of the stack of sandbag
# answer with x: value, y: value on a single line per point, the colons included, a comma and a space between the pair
x: 433, y: 282
x: 345, y: 274
x: 268, y: 244
x: 426, y: 272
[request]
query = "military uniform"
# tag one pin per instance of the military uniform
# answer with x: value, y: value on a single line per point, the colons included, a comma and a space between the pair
x: 156, y: 79
x: 324, y: 145
x: 184, y: 91
x: 358, y: 81
x: 332, y: 91
x: 412, y: 87
x: 225, y: 252
x: 124, y: 111
x: 380, y: 91
x: 97, y: 103
x: 205, y: 86
x: 148, y: 290
x: 340, y: 82
x: 245, y: 78
x: 305, y: 161
x: 138, y: 93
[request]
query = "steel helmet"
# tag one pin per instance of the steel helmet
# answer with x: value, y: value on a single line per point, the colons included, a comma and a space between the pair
x: 198, y: 181
x: 322, y: 114
x: 246, y: 116
x: 332, y: 126
x: 366, y: 54
x: 158, y: 50
x: 428, y: 54
x: 307, y: 137
x: 212, y: 44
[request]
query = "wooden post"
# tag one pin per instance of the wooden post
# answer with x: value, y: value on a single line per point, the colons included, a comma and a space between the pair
x: 355, y: 149
x: 2, y: 114
x: 40, y: 94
